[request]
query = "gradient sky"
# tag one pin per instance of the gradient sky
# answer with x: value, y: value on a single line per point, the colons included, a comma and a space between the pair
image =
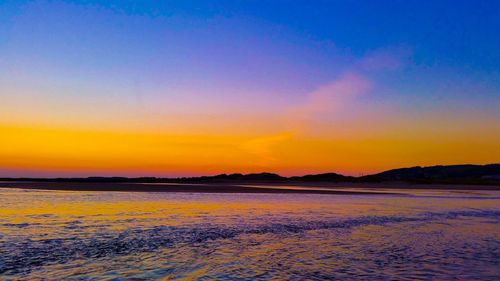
x: 174, y: 88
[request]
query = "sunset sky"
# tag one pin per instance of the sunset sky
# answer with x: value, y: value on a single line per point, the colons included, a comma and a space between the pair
x: 181, y: 88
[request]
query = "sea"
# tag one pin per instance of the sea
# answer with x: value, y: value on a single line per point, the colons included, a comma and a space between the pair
x: 398, y: 235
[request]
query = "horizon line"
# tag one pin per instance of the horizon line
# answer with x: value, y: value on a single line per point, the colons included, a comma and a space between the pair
x: 245, y: 174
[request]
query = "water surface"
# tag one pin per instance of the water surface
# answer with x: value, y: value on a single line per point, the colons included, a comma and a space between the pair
x: 115, y: 235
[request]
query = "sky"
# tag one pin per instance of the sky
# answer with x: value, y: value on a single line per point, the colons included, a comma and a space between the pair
x: 186, y: 88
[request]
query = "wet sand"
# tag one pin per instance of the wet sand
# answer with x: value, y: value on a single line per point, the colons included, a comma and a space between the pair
x: 174, y: 187
x: 388, y: 185
x: 246, y: 187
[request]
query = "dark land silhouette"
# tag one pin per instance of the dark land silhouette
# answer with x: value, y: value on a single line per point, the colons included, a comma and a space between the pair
x: 464, y: 177
x: 451, y: 174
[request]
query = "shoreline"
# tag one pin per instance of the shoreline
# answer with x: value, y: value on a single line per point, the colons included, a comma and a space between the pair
x: 394, y: 188
x: 179, y: 187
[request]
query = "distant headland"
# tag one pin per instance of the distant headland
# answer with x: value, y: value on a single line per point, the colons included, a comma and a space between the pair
x: 468, y: 174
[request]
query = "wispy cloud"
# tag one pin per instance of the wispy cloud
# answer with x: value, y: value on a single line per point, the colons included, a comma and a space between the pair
x: 329, y: 99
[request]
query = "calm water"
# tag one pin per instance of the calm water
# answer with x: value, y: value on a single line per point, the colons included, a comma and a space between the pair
x: 106, y: 236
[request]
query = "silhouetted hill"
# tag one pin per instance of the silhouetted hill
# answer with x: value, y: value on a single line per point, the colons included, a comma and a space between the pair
x: 327, y: 177
x: 265, y: 177
x: 452, y: 174
x: 441, y: 174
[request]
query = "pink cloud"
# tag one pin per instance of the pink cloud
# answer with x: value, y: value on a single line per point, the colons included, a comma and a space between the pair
x: 329, y: 98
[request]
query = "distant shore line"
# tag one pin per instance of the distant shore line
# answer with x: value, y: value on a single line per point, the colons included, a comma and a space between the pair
x: 243, y: 187
x: 188, y: 188
x: 466, y: 175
